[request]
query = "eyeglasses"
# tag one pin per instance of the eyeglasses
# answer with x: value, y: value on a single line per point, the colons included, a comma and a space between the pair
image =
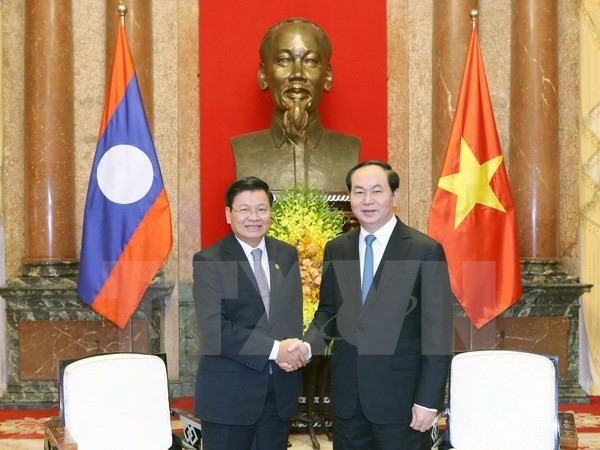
x: 261, y: 211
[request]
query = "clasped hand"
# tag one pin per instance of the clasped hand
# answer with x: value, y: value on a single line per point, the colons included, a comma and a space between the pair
x: 292, y: 355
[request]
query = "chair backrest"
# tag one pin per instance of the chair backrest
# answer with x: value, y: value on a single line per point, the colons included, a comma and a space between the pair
x: 503, y: 400
x: 117, y: 401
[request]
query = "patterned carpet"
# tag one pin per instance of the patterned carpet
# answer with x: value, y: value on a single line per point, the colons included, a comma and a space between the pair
x: 23, y: 429
x: 587, y: 421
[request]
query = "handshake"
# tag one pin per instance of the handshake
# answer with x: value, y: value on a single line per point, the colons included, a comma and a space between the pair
x: 293, y: 354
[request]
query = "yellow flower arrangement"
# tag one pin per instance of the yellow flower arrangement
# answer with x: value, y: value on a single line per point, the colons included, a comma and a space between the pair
x: 304, y: 218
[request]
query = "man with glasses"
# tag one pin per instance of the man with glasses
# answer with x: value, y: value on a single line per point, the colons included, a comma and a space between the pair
x: 248, y: 297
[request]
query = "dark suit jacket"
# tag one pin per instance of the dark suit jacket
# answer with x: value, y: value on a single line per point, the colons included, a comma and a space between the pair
x: 394, y: 350
x: 237, y: 338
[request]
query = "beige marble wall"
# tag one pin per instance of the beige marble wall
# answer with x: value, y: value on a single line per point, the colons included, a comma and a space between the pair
x: 176, y: 123
x: 419, y: 112
x: 494, y: 35
x: 1, y: 147
x: 13, y: 120
x: 568, y: 134
x: 89, y: 28
x: 397, y: 36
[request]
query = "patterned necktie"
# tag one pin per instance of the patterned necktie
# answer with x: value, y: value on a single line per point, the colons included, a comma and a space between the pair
x: 261, y: 279
x: 368, y: 266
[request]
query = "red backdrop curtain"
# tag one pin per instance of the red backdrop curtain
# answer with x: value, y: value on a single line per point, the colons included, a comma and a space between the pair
x: 231, y: 102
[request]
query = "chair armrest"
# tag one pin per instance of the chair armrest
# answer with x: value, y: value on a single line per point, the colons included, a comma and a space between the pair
x: 439, y: 436
x: 57, y: 437
x: 186, y: 417
x: 192, y: 431
x: 567, y: 431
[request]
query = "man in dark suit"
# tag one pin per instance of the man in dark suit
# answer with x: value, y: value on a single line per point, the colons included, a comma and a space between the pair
x: 388, y: 309
x: 248, y: 298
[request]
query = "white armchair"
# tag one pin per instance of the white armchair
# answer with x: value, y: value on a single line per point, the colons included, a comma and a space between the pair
x: 114, y: 401
x: 502, y: 399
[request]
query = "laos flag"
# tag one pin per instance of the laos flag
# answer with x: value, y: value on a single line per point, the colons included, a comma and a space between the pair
x: 127, y: 222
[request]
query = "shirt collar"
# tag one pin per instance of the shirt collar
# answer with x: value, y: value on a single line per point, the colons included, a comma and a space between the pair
x: 383, y: 234
x: 314, y: 130
x: 248, y: 249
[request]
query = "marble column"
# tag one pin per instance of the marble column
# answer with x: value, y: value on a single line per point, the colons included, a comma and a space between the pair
x: 534, y: 126
x: 550, y: 300
x: 138, y: 26
x: 49, y: 132
x: 451, y: 32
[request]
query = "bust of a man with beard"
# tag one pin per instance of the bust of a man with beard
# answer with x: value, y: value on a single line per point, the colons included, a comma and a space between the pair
x: 296, y: 149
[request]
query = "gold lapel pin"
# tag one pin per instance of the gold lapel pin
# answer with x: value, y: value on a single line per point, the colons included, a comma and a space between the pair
x: 276, y: 266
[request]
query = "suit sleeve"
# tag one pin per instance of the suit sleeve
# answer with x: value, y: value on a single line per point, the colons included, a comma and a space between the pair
x: 322, y: 327
x: 436, y: 329
x: 219, y: 334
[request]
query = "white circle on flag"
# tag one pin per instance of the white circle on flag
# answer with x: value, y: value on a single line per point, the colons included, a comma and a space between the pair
x: 125, y: 174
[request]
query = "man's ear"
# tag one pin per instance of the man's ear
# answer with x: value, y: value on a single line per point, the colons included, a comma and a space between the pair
x: 228, y: 215
x: 262, y: 77
x: 328, y: 78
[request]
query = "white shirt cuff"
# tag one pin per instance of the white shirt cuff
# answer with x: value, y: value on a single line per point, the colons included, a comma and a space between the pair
x: 274, y: 351
x: 309, y: 357
x: 428, y: 409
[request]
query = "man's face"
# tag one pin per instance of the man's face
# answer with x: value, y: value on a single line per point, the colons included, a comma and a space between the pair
x: 250, y: 216
x: 296, y: 69
x: 371, y: 198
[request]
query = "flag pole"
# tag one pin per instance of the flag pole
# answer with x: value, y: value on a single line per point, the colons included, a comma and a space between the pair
x: 474, y: 16
x: 122, y: 10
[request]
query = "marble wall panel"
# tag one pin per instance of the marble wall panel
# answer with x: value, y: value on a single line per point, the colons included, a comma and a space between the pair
x: 541, y: 335
x: 43, y: 343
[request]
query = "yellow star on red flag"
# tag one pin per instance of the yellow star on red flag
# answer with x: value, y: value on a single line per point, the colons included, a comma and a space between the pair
x: 472, y: 183
x: 472, y: 212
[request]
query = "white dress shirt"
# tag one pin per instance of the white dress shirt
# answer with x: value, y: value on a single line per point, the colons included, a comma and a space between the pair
x: 382, y: 237
x: 264, y: 262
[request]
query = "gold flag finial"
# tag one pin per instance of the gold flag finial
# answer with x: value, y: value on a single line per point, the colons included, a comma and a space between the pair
x: 474, y: 15
x: 122, y: 10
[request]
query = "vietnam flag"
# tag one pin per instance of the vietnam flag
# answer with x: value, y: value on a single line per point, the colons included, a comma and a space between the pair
x: 472, y: 214
x: 127, y: 222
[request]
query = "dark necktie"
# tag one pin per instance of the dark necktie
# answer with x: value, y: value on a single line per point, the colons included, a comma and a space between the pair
x: 261, y: 278
x: 368, y: 266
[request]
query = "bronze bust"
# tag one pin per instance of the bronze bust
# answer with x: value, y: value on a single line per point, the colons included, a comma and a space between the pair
x: 295, y: 67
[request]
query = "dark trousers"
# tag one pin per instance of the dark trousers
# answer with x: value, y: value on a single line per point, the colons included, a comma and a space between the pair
x: 269, y: 433
x: 358, y: 433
